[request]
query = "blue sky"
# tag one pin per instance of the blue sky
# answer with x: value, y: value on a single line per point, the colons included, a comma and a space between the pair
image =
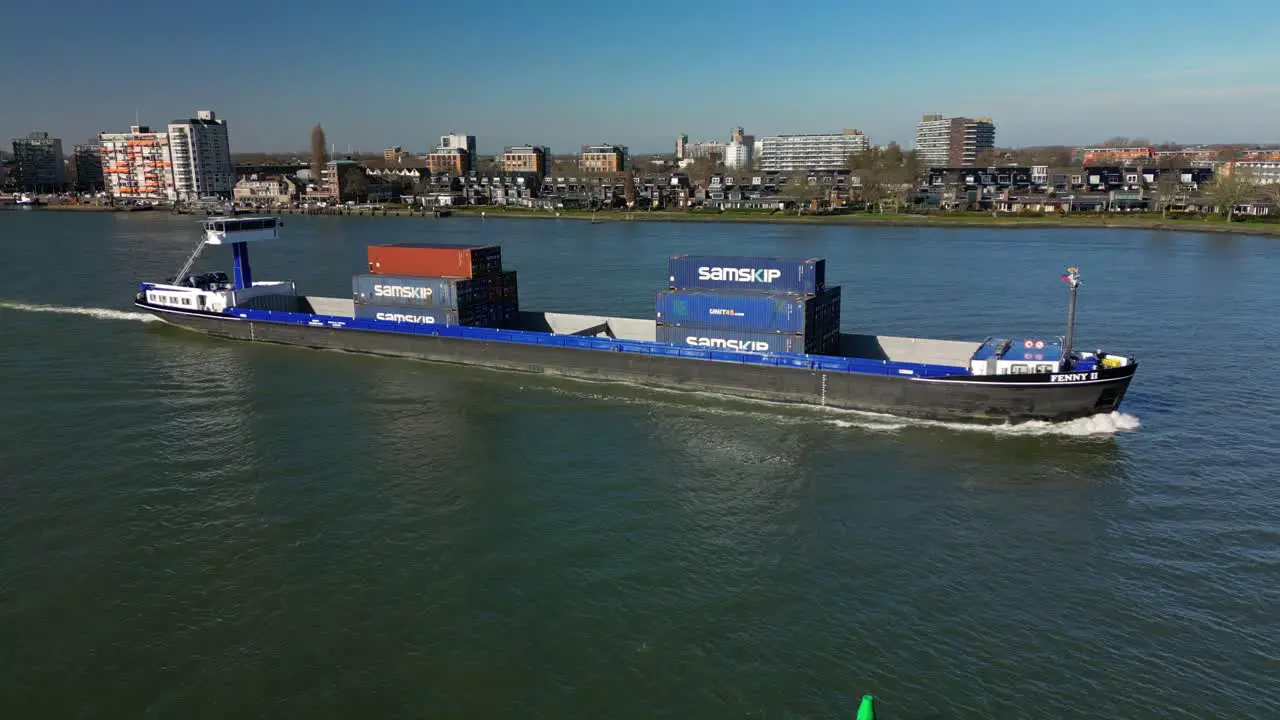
x: 638, y: 73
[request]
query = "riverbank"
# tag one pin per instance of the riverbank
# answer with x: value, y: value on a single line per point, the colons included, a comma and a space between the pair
x: 983, y: 220
x: 957, y: 220
x: 86, y: 207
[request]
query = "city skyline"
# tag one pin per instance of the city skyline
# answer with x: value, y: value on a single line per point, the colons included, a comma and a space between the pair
x: 639, y: 79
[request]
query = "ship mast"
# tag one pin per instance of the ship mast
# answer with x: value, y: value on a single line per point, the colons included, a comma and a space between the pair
x: 1072, y: 277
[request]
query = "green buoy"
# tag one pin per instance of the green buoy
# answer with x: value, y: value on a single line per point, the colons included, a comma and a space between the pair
x: 867, y: 708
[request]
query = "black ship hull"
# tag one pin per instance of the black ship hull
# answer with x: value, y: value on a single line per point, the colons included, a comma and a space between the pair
x: 962, y: 398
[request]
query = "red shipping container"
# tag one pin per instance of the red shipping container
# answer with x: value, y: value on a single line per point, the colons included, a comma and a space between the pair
x: 433, y: 260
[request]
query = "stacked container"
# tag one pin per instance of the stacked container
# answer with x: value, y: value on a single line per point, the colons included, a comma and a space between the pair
x: 437, y: 284
x: 749, y: 304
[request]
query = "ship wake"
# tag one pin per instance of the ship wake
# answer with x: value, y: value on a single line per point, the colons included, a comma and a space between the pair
x: 1101, y: 425
x: 97, y: 313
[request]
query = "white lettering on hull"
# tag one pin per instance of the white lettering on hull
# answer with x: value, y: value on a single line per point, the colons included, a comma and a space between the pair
x: 1073, y: 377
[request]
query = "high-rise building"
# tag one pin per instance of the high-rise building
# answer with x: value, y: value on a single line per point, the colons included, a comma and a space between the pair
x: 953, y: 142
x: 602, y: 158
x: 201, y: 154
x: 682, y: 141
x: 136, y: 165
x: 737, y: 155
x: 88, y: 163
x: 458, y: 141
x: 38, y: 163
x: 827, y: 151
x: 708, y: 149
x: 526, y: 159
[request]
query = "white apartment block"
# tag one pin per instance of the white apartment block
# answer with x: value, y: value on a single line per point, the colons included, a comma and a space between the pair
x: 829, y: 151
x: 953, y: 142
x: 933, y: 141
x: 136, y: 165
x: 201, y: 156
x: 737, y: 155
x: 1262, y: 172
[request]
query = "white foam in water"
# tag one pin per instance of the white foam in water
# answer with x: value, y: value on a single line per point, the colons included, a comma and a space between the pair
x: 1104, y: 424
x: 99, y: 313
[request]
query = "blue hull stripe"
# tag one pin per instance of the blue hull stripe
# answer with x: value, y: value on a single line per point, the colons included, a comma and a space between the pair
x: 811, y: 362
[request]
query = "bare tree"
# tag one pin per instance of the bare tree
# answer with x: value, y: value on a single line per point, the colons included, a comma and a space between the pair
x: 985, y: 159
x: 356, y: 184
x: 1168, y: 182
x: 318, y: 155
x: 865, y: 169
x: 804, y: 192
x: 1231, y: 189
x: 1229, y: 154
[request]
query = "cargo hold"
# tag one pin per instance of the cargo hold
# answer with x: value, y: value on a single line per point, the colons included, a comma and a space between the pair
x: 752, y: 311
x: 730, y: 272
x: 435, y: 260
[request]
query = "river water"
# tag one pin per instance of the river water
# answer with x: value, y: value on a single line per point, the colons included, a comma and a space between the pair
x: 199, y: 528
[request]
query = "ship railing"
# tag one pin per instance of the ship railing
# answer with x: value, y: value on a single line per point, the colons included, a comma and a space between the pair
x: 830, y: 363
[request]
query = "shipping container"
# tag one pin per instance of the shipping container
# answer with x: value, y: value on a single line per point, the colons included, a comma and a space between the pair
x: 755, y: 311
x: 435, y: 260
x: 738, y: 340
x: 420, y: 291
x: 729, y: 272
x: 478, y: 316
x: 503, y: 286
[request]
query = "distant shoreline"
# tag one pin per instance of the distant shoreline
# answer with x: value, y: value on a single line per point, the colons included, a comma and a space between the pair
x: 968, y: 220
x: 957, y: 220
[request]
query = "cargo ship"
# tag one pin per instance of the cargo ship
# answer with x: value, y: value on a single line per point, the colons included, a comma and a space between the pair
x: 758, y: 328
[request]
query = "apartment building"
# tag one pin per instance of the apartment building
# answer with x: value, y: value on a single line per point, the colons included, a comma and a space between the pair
x: 826, y: 151
x: 38, y: 163
x: 707, y: 149
x: 459, y: 145
x: 335, y: 180
x: 393, y: 154
x: 454, y: 161
x: 602, y: 158
x: 526, y: 159
x: 201, y: 154
x: 953, y: 142
x: 87, y: 160
x: 137, y: 165
x: 1263, y: 172
x: 1116, y: 155
x: 682, y: 141
x: 258, y: 190
x: 738, y: 154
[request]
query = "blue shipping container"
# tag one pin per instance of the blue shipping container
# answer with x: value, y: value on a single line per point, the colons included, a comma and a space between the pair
x: 419, y: 291
x: 756, y: 311
x: 425, y: 315
x: 729, y: 272
x: 736, y: 340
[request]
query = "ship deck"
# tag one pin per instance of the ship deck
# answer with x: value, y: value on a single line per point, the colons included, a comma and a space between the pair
x: 890, y: 348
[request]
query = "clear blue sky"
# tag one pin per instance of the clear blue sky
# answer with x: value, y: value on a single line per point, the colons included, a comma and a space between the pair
x: 637, y: 73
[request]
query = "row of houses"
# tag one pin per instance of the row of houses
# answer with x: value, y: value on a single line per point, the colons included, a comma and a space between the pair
x: 1039, y: 188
